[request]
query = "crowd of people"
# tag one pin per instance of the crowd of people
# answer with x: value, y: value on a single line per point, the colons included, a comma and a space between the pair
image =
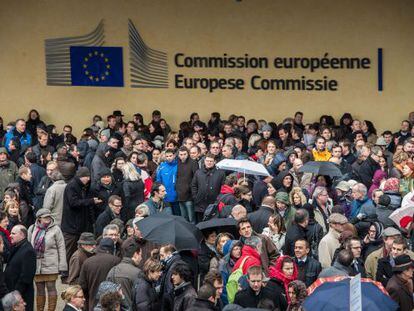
x: 71, y: 207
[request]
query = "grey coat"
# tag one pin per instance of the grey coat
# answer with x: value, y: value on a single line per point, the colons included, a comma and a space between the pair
x: 125, y: 274
x: 54, y: 258
x: 53, y: 200
x: 8, y: 174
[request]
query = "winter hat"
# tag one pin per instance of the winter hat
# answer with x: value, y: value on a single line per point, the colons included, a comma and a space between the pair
x: 380, y: 141
x: 336, y: 218
x: 392, y: 184
x: 3, y: 150
x: 283, y: 197
x: 107, y: 244
x: 87, y: 238
x: 105, y: 172
x: 384, y: 200
x: 267, y: 128
x: 343, y: 186
x: 83, y: 172
x: 402, y: 263
x: 43, y: 212
x: 390, y: 231
x: 100, y: 124
x: 352, y: 183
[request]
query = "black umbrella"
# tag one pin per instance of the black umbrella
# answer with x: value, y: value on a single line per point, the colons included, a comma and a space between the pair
x: 321, y: 168
x: 220, y: 224
x: 168, y: 229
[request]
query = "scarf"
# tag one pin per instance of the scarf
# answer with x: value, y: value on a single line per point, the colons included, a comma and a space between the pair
x: 39, y: 239
x: 277, y: 273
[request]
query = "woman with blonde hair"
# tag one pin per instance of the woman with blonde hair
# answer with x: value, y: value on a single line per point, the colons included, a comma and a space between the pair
x: 74, y: 298
x: 133, y: 188
x: 12, y: 209
x: 297, y: 198
x: 398, y: 160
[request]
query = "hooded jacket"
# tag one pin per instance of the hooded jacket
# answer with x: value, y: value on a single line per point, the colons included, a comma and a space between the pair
x: 54, y: 258
x: 253, y: 259
x: 167, y: 175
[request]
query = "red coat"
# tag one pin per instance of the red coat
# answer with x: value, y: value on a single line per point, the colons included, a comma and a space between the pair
x: 253, y: 259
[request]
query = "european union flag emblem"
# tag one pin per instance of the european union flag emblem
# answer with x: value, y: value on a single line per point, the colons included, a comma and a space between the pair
x: 96, y: 66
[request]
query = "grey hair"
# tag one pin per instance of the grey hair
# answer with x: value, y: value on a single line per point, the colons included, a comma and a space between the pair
x: 361, y: 188
x: 142, y: 209
x: 318, y: 190
x: 253, y: 241
x: 10, y: 300
x: 110, y: 227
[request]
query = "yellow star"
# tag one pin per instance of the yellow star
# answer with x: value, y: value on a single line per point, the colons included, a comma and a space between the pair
x: 107, y: 73
x: 103, y: 78
x: 106, y: 60
x: 86, y: 59
x: 96, y: 52
x: 91, y: 77
x: 87, y: 72
x: 84, y: 65
x: 97, y: 79
x: 102, y: 55
x: 90, y: 54
x: 108, y: 66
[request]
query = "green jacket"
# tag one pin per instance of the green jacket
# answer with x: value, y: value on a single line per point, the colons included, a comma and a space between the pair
x: 8, y: 174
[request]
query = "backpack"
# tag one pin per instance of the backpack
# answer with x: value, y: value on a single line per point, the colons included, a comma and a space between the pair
x: 232, y: 285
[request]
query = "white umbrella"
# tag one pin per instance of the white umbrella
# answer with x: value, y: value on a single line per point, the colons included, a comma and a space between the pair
x: 243, y: 166
x: 403, y: 216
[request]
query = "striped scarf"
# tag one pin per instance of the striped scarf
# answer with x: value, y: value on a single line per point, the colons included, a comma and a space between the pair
x: 39, y: 239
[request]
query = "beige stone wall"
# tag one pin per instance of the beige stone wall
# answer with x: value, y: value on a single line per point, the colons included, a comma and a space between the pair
x: 267, y: 28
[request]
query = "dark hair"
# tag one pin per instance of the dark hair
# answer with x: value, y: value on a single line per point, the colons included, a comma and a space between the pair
x: 110, y: 301
x: 304, y: 240
x: 184, y: 271
x: 183, y: 149
x: 287, y: 259
x: 206, y: 291
x: 371, y: 127
x: 130, y: 248
x: 31, y: 157
x: 279, y: 222
x: 242, y: 221
x: 155, y: 187
x: 212, y: 276
x: 301, y: 216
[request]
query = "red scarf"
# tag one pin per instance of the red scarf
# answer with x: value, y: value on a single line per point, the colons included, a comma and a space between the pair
x: 6, y: 232
x: 277, y: 273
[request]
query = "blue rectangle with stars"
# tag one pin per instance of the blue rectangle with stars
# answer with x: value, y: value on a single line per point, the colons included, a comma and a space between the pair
x: 96, y: 66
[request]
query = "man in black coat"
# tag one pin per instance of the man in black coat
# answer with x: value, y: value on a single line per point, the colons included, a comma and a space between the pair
x: 308, y: 267
x: 384, y: 268
x: 369, y: 166
x: 77, y: 210
x: 251, y: 296
x: 169, y: 258
x: 260, y: 218
x: 186, y: 170
x: 111, y: 212
x: 357, y: 266
x: 206, y: 185
x: 21, y: 266
x: 205, y: 300
x: 296, y: 231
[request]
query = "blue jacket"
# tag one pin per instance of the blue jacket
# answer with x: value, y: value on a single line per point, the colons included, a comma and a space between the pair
x: 364, y: 206
x: 25, y: 139
x: 167, y: 175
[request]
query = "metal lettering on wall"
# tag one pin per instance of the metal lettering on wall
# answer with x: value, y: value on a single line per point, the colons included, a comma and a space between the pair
x: 84, y: 61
